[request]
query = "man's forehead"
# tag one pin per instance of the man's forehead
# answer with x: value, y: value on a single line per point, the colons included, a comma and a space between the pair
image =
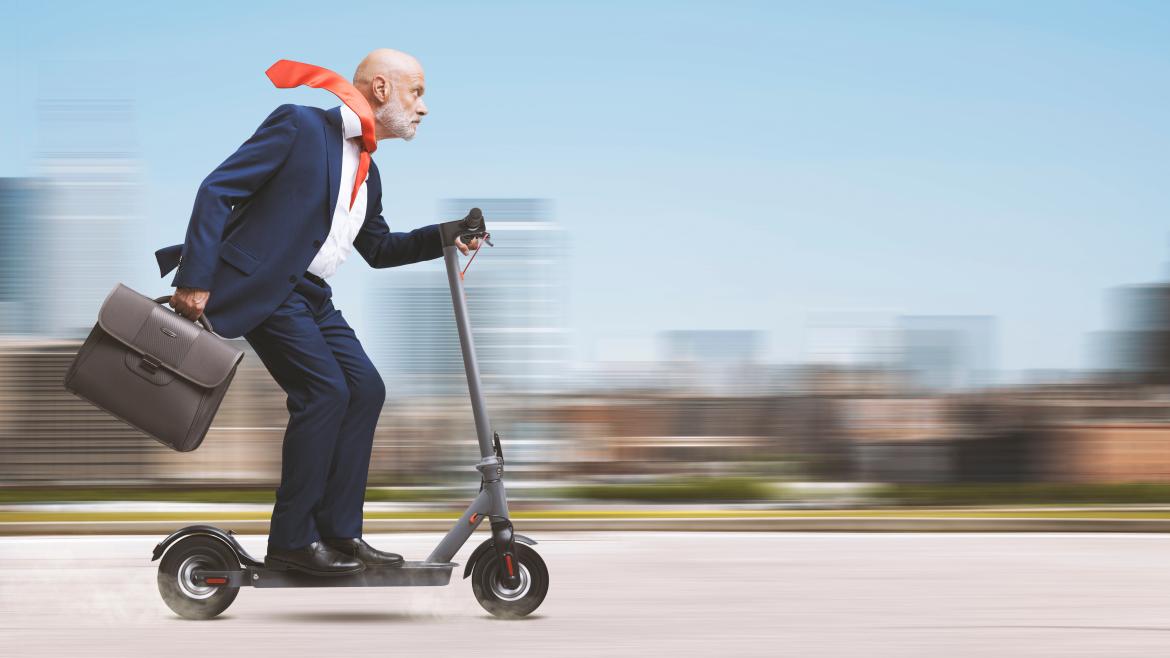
x: 416, y: 77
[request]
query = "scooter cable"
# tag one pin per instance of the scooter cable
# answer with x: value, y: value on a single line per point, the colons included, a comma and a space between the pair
x: 474, y: 253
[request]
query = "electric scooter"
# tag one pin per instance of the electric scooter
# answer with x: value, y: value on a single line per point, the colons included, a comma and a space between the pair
x: 204, y: 567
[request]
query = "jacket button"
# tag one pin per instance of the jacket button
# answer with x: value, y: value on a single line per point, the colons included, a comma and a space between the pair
x: 292, y: 279
x: 316, y: 243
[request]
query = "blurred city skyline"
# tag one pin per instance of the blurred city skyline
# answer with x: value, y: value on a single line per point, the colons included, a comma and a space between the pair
x: 715, y: 168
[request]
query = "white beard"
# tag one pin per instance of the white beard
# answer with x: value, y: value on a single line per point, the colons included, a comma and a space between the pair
x: 394, y: 118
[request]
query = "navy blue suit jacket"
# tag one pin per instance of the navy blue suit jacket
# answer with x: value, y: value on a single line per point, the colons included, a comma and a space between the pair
x: 261, y: 217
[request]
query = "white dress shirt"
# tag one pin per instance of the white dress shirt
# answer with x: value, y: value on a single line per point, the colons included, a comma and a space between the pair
x: 346, y: 221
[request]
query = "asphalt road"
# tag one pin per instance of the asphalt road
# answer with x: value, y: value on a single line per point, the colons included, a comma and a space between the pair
x: 645, y: 594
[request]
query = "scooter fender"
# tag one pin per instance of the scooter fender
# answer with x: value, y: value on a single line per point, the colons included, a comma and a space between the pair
x: 488, y: 545
x: 224, y: 536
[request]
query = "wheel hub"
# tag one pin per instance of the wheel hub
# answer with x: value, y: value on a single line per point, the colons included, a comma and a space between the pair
x: 512, y: 594
x: 186, y: 578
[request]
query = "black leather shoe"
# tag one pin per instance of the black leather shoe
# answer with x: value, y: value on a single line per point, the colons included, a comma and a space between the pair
x: 356, y: 547
x: 316, y: 559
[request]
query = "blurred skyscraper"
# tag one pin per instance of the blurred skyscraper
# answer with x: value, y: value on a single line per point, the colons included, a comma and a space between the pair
x: 730, y: 347
x: 714, y: 361
x: 933, y: 352
x: 516, y: 296
x: 413, y: 341
x: 948, y: 352
x: 89, y: 207
x: 851, y: 338
x: 23, y: 241
x: 1138, y: 345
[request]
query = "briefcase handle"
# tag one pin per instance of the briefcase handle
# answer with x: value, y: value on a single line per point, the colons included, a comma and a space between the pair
x: 202, y: 318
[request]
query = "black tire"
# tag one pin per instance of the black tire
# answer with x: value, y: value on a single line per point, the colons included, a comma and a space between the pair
x: 181, y: 594
x: 495, y: 598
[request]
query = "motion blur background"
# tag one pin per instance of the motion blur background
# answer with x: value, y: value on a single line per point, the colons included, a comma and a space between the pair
x: 826, y: 254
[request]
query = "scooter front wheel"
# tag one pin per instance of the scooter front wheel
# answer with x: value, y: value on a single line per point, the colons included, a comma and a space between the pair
x: 184, y: 593
x: 502, y: 601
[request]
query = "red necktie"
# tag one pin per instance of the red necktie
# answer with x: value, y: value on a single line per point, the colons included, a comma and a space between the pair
x: 287, y: 74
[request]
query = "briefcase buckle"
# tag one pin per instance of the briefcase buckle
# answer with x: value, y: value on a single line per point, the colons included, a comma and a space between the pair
x: 149, y: 363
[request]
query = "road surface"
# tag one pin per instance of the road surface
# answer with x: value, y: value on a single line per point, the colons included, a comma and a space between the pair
x: 635, y: 594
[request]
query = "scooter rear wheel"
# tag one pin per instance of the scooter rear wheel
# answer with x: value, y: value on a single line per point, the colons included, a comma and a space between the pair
x: 506, y: 602
x: 179, y: 589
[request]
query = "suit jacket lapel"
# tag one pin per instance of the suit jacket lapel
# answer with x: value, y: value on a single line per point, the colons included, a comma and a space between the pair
x: 333, y: 156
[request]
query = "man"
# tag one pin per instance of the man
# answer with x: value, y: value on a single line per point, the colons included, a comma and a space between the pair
x: 269, y: 226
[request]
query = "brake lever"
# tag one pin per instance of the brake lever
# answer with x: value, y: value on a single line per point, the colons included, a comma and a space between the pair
x: 485, y: 236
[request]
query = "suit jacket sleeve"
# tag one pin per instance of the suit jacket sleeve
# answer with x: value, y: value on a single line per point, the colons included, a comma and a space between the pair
x: 232, y: 183
x: 381, y: 248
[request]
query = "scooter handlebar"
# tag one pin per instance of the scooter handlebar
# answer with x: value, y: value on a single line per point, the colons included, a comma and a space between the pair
x: 470, y: 227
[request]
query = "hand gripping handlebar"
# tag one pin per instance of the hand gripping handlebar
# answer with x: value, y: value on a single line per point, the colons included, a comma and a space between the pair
x: 471, y: 226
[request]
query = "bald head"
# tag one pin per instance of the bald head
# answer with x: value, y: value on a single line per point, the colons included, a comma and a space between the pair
x: 384, y: 62
x: 392, y: 82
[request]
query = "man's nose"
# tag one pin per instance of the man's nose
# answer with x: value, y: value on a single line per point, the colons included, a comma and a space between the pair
x: 422, y: 108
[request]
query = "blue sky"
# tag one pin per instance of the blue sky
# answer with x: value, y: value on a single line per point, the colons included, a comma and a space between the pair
x: 720, y: 165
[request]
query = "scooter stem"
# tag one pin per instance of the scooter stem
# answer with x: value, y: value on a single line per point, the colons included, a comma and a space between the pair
x: 483, y: 426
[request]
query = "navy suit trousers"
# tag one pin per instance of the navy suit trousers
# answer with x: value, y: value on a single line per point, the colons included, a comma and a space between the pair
x: 334, y: 399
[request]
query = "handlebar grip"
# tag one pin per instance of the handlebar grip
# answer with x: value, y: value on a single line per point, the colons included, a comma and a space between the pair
x: 474, y: 220
x: 471, y: 226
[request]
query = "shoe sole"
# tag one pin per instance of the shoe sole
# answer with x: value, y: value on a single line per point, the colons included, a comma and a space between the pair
x: 283, y: 565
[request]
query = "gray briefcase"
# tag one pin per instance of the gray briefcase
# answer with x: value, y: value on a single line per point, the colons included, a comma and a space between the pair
x: 153, y: 368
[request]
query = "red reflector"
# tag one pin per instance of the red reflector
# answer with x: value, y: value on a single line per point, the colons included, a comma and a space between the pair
x: 216, y: 581
x: 508, y: 560
x: 472, y: 518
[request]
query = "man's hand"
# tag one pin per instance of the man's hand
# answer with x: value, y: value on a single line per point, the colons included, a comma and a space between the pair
x: 465, y: 248
x: 189, y: 302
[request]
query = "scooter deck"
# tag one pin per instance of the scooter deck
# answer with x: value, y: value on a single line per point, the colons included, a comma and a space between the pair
x: 408, y: 574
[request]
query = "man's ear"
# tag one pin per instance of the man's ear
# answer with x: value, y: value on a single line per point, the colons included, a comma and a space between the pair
x: 382, y: 88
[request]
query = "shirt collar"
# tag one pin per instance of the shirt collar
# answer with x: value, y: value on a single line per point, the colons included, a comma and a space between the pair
x: 351, y: 125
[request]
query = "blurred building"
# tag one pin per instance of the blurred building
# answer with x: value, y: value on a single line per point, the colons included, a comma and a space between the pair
x: 412, y: 338
x: 722, y: 362
x: 707, y: 346
x: 851, y: 338
x: 648, y: 434
x: 948, y: 352
x: 1138, y: 346
x: 89, y: 206
x: 1107, y: 452
x: 931, y: 352
x: 516, y: 297
x: 24, y: 242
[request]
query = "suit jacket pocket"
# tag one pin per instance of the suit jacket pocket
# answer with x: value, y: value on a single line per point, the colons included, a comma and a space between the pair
x: 237, y: 257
